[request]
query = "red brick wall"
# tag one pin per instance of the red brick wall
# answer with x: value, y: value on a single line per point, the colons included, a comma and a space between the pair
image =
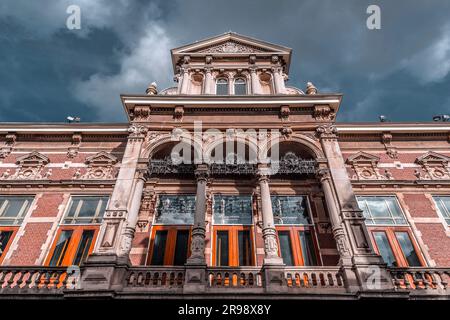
x: 419, y: 205
x: 433, y: 234
x: 29, y: 245
x: 47, y: 205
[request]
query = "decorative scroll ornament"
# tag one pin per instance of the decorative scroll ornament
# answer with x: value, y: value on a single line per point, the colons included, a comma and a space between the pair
x: 137, y: 131
x: 323, y: 113
x: 31, y: 167
x: 434, y: 167
x: 100, y: 166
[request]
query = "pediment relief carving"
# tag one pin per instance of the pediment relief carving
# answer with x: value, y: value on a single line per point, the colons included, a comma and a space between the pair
x: 434, y: 166
x: 99, y: 166
x: 231, y: 47
x: 100, y: 159
x: 32, y: 159
x: 31, y: 167
x: 365, y: 166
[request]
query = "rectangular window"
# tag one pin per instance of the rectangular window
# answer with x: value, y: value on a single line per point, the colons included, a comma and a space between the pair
x: 13, y: 209
x: 6, y: 236
x: 83, y: 247
x: 245, y: 248
x: 408, y: 249
x: 232, y: 209
x: 175, y: 209
x: 286, y: 248
x: 308, y: 249
x: 385, y: 249
x: 222, y: 248
x: 381, y: 210
x: 443, y: 204
x: 290, y: 210
x: 159, y: 248
x: 86, y: 209
x: 61, y: 248
x: 181, y: 248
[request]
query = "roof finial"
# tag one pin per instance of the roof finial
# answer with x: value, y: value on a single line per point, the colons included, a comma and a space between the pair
x: 310, y: 88
x: 152, y: 89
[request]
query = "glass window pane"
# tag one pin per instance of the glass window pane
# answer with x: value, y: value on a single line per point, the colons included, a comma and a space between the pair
x: 61, y: 248
x: 175, y: 209
x: 381, y: 210
x: 308, y: 250
x: 385, y: 249
x: 240, y: 87
x: 232, y: 209
x: 181, y: 247
x: 13, y: 209
x: 222, y: 249
x: 4, y: 239
x: 159, y: 248
x: 286, y: 248
x: 443, y: 204
x: 83, y: 247
x: 290, y: 210
x: 222, y: 87
x: 86, y: 209
x: 245, y: 254
x: 408, y: 249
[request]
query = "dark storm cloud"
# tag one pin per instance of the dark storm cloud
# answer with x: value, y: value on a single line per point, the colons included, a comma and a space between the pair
x: 48, y: 72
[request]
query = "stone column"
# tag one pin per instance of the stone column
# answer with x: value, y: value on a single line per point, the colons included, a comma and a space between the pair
x: 208, y: 81
x: 256, y: 86
x: 105, y: 268
x: 185, y: 80
x: 271, y: 256
x: 358, y: 258
x: 199, y: 229
x: 133, y: 215
x: 278, y: 80
x: 195, y: 279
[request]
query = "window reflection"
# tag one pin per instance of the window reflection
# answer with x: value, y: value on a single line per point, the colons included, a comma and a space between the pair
x: 290, y: 210
x: 232, y: 209
x: 175, y: 209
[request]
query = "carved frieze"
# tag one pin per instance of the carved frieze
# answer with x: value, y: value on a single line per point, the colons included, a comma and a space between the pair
x: 231, y: 47
x: 365, y: 166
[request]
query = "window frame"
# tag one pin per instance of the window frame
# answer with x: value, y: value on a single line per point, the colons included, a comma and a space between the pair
x: 233, y: 244
x: 395, y: 245
x: 231, y: 224
x: 245, y: 84
x: 12, y: 229
x: 445, y: 221
x: 227, y: 82
x: 77, y: 232
x: 68, y: 207
x: 169, y: 250
x: 297, y: 250
x: 18, y: 220
x: 308, y: 207
x: 387, y: 225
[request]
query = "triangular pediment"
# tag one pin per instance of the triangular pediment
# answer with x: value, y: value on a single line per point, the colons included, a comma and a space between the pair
x: 101, y: 158
x: 33, y: 158
x: 230, y: 44
x: 362, y: 157
x: 431, y: 157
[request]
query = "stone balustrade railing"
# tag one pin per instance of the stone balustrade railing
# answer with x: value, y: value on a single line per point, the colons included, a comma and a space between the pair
x: 314, y: 277
x: 38, y: 280
x: 155, y: 278
x: 424, y: 280
x: 234, y: 277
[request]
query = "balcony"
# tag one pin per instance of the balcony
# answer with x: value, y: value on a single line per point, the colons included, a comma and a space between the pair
x: 219, y: 282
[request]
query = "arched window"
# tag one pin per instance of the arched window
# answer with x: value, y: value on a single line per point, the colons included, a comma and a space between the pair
x: 222, y: 86
x: 240, y: 87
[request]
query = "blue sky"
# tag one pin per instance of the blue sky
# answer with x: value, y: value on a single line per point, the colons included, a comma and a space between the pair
x: 48, y: 72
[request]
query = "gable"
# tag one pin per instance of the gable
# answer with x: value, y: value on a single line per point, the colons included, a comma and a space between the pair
x: 101, y: 158
x: 362, y: 157
x: 431, y: 157
x: 33, y: 158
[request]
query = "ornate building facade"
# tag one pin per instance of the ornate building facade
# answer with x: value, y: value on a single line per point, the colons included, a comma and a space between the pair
x: 231, y: 183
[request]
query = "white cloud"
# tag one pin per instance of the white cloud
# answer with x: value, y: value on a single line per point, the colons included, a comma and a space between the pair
x: 433, y: 63
x: 148, y: 61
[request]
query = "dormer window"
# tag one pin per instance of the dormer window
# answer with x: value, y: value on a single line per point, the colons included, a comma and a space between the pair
x: 240, y: 87
x: 222, y: 87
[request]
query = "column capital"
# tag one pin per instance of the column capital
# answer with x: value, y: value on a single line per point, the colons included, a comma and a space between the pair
x: 327, y: 132
x: 137, y: 131
x: 202, y: 172
x: 263, y: 173
x: 323, y: 174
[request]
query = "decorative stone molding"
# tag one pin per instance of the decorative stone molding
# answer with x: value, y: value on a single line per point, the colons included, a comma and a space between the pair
x: 141, y: 113
x: 72, y: 152
x: 323, y: 113
x: 30, y: 168
x: 434, y: 167
x: 10, y: 142
x: 285, y: 111
x: 386, y: 139
x: 286, y: 133
x: 310, y: 88
x: 152, y: 89
x: 327, y: 132
x: 100, y: 166
x: 230, y: 47
x: 137, y: 131
x: 365, y: 166
x: 178, y: 113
